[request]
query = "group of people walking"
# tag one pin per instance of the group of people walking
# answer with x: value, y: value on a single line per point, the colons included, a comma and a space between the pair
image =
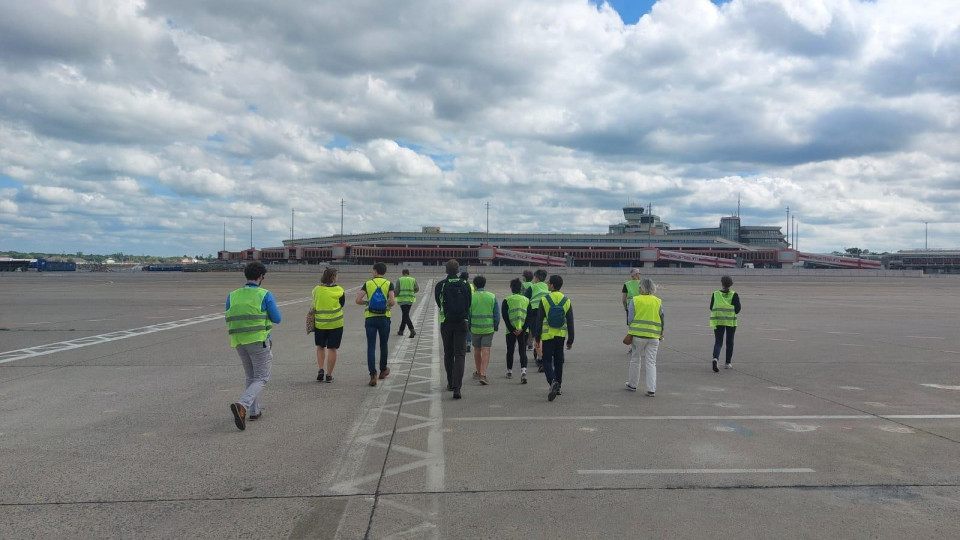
x: 536, y: 314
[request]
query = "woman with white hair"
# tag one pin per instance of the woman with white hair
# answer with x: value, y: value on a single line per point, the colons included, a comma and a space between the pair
x: 644, y: 334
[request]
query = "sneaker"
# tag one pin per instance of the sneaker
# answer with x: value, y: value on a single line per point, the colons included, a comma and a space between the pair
x: 384, y: 373
x: 449, y: 387
x: 255, y: 416
x: 509, y: 374
x: 400, y: 333
x: 559, y: 391
x: 630, y: 388
x: 373, y: 380
x: 651, y: 393
x: 529, y: 346
x: 728, y: 365
x: 412, y: 333
x: 715, y: 368
x: 554, y: 388
x: 523, y: 378
x: 476, y: 375
x: 483, y: 380
x: 320, y: 375
x: 456, y: 393
x: 329, y: 378
x: 239, y: 415
x: 467, y: 349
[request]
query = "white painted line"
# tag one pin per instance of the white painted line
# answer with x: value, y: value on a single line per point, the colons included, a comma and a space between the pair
x: 695, y: 471
x: 708, y: 417
x: 98, y: 320
x: 925, y: 337
x: 60, y: 346
x: 852, y: 345
x: 846, y: 333
x: 35, y: 323
x: 777, y: 339
x: 941, y: 386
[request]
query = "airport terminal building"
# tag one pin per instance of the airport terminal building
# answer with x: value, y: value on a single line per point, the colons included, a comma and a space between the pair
x: 626, y: 244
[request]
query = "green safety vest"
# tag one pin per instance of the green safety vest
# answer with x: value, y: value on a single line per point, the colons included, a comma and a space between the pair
x: 537, y: 292
x: 371, y: 286
x: 405, y: 290
x: 633, y: 288
x: 481, y: 312
x: 246, y: 322
x: 722, y: 313
x: 517, y: 305
x: 526, y: 285
x: 646, y: 321
x: 326, y: 303
x: 548, y: 332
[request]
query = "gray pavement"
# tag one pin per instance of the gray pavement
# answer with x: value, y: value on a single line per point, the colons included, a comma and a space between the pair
x: 841, y: 418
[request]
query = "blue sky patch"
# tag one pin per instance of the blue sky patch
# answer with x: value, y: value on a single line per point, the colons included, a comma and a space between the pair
x: 631, y: 10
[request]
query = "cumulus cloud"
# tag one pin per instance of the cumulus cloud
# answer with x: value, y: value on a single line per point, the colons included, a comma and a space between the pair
x: 129, y: 119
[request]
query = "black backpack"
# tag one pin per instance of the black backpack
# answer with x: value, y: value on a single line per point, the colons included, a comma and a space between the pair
x: 453, y: 298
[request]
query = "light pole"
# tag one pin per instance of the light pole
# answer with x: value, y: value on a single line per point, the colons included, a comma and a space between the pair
x: 341, y: 221
x: 786, y: 237
x: 925, y: 235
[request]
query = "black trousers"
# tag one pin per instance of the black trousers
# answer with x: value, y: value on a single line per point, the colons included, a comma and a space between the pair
x: 406, y: 320
x: 521, y: 344
x: 454, y: 336
x: 553, y: 359
x: 718, y: 341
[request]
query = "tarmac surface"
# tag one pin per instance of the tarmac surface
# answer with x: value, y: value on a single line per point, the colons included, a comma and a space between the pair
x: 839, y: 419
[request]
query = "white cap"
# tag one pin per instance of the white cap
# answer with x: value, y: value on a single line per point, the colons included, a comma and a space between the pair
x: 634, y: 271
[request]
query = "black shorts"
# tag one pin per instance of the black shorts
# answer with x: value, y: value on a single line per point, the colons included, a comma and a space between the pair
x: 328, y: 338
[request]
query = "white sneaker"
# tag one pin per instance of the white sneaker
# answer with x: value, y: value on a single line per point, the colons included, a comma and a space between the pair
x: 728, y: 365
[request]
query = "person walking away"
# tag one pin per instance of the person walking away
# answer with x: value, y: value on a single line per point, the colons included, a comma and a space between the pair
x: 554, y: 322
x: 251, y: 314
x: 407, y: 288
x: 645, y: 316
x: 465, y: 277
x: 631, y: 288
x: 484, y: 322
x: 538, y: 289
x: 328, y: 302
x: 453, y: 298
x: 379, y: 296
x: 514, y: 309
x: 527, y: 283
x: 724, y: 308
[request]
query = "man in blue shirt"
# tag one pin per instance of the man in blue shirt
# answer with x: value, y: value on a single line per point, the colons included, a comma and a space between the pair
x: 251, y: 314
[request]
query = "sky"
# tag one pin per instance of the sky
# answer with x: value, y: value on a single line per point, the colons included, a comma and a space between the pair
x: 162, y: 127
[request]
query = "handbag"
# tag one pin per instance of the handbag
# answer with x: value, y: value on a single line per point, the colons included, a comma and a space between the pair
x: 310, y: 316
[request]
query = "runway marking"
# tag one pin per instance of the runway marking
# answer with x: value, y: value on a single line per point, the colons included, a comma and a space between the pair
x: 850, y: 388
x: 98, y: 320
x: 712, y: 417
x: 897, y: 429
x: 941, y: 386
x: 60, y: 346
x: 846, y: 333
x: 35, y: 323
x: 777, y: 339
x: 925, y: 337
x: 852, y: 345
x: 696, y: 471
x: 780, y: 388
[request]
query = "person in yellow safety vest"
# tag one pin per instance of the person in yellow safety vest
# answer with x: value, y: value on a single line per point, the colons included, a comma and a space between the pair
x: 514, y: 309
x: 724, y: 308
x: 376, y: 319
x: 328, y: 301
x: 484, y: 321
x: 630, y: 288
x: 538, y: 289
x: 251, y: 314
x: 407, y: 289
x: 645, y: 325
x: 527, y: 283
x: 553, y: 323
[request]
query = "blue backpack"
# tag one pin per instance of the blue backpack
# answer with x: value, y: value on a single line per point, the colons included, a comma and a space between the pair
x: 556, y: 317
x: 378, y: 301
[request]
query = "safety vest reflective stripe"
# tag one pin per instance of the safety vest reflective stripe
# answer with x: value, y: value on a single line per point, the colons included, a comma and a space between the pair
x: 723, y: 312
x: 646, y: 321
